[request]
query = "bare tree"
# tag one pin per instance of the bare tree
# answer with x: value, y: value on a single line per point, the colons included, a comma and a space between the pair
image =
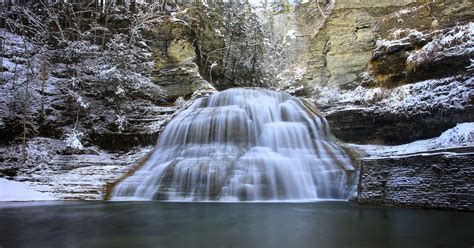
x: 43, y: 77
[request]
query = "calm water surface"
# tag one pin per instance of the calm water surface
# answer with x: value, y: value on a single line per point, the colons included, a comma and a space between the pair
x: 294, y: 225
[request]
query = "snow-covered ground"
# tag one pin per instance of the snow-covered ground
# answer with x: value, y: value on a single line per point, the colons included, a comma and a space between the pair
x: 17, y: 191
x: 461, y: 135
x: 54, y: 169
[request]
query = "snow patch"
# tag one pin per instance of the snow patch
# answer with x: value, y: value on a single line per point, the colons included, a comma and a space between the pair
x: 17, y: 191
x: 73, y: 139
x: 461, y: 134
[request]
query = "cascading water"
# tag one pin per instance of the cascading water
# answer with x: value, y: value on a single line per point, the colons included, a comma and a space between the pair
x: 244, y: 145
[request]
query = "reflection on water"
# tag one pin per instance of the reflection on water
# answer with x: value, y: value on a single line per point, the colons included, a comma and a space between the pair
x: 155, y: 224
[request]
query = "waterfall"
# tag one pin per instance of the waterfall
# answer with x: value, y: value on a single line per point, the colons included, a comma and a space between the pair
x: 244, y: 145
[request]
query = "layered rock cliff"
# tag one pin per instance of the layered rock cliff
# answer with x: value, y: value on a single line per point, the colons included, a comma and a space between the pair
x: 441, y: 180
x: 356, y: 39
x: 394, y: 72
x: 381, y: 72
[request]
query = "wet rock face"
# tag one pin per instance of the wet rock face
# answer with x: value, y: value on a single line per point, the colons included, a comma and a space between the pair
x: 443, y: 181
x: 388, y: 62
x: 364, y: 127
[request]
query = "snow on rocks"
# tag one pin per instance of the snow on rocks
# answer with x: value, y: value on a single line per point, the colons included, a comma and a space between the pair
x: 82, y: 176
x: 405, y: 11
x: 445, y: 94
x: 290, y: 81
x: 205, y: 89
x: 64, y: 173
x: 458, y: 41
x: 404, y: 33
x: 326, y: 95
x: 462, y: 135
x: 73, y: 139
x: 400, y: 39
x: 452, y: 93
x: 17, y: 191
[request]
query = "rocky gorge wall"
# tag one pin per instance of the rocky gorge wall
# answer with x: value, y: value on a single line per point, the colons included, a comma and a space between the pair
x: 175, y: 71
x: 89, y: 125
x: 358, y: 72
x: 370, y: 51
x: 390, y: 73
x: 374, y: 127
x: 344, y: 47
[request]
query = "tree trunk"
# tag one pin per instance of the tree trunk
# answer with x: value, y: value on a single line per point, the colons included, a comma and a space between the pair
x: 2, y: 37
x: 105, y: 26
x: 43, y: 83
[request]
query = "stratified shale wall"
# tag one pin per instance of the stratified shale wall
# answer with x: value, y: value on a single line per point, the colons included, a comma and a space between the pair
x: 441, y: 180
